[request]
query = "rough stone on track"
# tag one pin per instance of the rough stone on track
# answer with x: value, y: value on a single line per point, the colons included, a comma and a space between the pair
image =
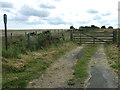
x: 59, y: 72
x: 101, y: 75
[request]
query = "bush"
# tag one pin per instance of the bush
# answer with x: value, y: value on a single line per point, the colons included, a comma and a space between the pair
x: 23, y: 50
x: 10, y: 53
x: 19, y: 44
x: 40, y: 41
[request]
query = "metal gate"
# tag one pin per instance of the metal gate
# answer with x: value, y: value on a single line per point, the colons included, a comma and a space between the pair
x: 93, y: 36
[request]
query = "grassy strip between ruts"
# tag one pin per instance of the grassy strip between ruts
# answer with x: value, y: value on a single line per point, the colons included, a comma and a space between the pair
x: 81, y: 68
x: 31, y: 66
x: 111, y: 51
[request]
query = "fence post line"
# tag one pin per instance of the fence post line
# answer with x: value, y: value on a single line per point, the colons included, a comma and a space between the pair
x: 63, y: 36
x: 36, y: 32
x: 28, y: 40
x: 5, y: 23
x: 113, y: 36
x: 80, y: 37
x: 118, y: 38
x: 71, y: 35
x: 11, y: 36
x: 62, y: 30
x: 93, y: 41
x: 25, y: 34
x: 49, y: 37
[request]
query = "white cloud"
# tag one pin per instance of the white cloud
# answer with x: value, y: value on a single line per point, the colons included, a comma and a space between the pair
x: 68, y: 12
x: 6, y: 5
x: 28, y: 11
x: 35, y: 20
x: 47, y: 6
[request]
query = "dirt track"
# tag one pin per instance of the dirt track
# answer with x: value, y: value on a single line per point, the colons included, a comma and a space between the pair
x: 101, y: 75
x: 59, y: 73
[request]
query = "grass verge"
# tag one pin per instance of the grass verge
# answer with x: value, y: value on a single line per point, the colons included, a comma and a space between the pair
x: 17, y: 73
x: 112, y: 54
x: 81, y: 68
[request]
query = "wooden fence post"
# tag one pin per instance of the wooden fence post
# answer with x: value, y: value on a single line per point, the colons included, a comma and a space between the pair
x: 62, y: 30
x: 11, y: 36
x: 5, y: 23
x: 28, y: 40
x: 25, y: 34
x: 71, y: 35
x: 80, y: 36
x: 36, y: 33
x: 63, y: 36
x: 93, y: 40
x: 114, y: 36
x: 118, y: 38
x: 49, y: 37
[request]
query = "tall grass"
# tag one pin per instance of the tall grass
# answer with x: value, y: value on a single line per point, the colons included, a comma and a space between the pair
x: 10, y: 53
x: 19, y: 77
x: 112, y: 53
x: 21, y: 45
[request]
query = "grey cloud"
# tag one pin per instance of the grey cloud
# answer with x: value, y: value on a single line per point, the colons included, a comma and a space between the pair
x: 56, y: 21
x: 6, y: 10
x: 106, y: 14
x: 47, y: 6
x: 97, y: 17
x: 6, y: 5
x: 20, y: 18
x: 91, y: 11
x: 24, y: 19
x: 28, y: 11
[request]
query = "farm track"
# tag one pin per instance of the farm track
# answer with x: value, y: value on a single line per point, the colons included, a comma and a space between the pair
x: 101, y: 75
x: 59, y: 73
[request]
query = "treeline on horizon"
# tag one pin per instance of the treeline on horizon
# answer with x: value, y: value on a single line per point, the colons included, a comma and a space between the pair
x: 92, y: 27
x: 71, y: 27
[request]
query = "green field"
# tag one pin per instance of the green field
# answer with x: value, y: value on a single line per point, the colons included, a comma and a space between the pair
x: 27, y: 58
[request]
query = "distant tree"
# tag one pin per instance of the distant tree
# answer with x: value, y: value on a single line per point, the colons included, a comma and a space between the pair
x: 71, y: 27
x: 81, y: 27
x: 87, y: 27
x: 97, y: 27
x: 93, y: 26
x: 84, y: 27
x: 103, y: 27
x: 110, y: 27
x: 32, y: 33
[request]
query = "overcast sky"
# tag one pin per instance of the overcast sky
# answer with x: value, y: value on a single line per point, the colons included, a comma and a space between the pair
x: 51, y: 14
